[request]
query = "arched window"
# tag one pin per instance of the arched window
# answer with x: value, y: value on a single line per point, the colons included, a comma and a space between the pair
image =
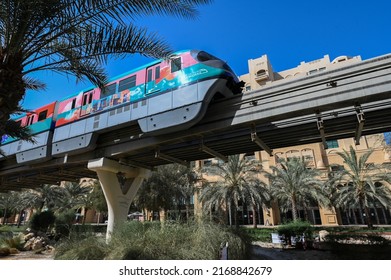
x: 293, y: 154
x: 308, y: 156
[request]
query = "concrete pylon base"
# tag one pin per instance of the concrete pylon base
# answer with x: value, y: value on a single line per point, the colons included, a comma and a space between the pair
x: 120, y: 184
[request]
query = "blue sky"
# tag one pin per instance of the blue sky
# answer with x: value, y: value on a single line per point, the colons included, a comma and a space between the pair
x: 287, y: 31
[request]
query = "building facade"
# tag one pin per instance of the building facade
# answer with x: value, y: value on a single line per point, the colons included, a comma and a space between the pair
x: 261, y: 75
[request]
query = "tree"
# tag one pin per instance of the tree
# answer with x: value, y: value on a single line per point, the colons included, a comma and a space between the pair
x: 361, y: 186
x: 46, y: 196
x: 294, y: 185
x: 74, y: 38
x: 170, y: 187
x: 95, y: 199
x: 74, y: 196
x: 237, y: 182
x: 8, y: 203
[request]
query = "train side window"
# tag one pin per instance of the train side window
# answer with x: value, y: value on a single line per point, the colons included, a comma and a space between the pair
x: 73, y: 103
x: 176, y: 64
x: 157, y: 72
x: 109, y: 90
x: 42, y: 116
x: 127, y: 83
x: 90, y: 98
x: 149, y: 75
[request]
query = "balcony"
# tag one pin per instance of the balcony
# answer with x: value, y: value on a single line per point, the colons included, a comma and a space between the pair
x: 261, y: 75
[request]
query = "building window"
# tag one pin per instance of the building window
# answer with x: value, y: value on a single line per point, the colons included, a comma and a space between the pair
x: 331, y: 144
x: 387, y: 137
x: 337, y: 168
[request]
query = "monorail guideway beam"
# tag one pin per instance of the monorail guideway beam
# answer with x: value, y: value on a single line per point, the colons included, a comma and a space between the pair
x: 120, y: 184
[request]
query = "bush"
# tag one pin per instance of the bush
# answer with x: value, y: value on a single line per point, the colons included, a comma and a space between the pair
x: 260, y: 234
x: 42, y: 221
x: 86, y: 230
x: 90, y: 248
x: 63, y: 223
x: 296, y: 229
x: 14, y: 242
x: 169, y: 241
x: 5, y: 252
x: 155, y: 241
x: 357, y: 238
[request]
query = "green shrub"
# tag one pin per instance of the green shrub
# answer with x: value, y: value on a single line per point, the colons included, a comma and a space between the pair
x: 63, y: 223
x: 155, y: 241
x: 90, y: 248
x: 15, y: 242
x: 357, y: 238
x: 87, y: 230
x: 42, y: 221
x: 260, y: 234
x: 192, y: 241
x: 4, y: 251
x: 296, y: 229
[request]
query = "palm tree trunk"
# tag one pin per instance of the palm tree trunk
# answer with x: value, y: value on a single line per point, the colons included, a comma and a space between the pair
x: 84, y: 216
x: 5, y: 215
x: 229, y: 214
x: 98, y: 219
x: 20, y: 218
x: 187, y: 211
x: 236, y: 217
x: 365, y: 209
x: 254, y: 216
x: 294, y: 208
x: 368, y: 217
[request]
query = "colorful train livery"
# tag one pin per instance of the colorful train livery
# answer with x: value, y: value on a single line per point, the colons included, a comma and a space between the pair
x: 161, y: 97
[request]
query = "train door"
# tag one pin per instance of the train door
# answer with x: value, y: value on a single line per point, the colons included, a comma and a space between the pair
x: 86, y: 105
x: 153, y: 74
x: 30, y: 119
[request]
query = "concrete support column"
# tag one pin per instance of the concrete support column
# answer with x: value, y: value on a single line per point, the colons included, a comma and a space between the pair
x: 120, y: 184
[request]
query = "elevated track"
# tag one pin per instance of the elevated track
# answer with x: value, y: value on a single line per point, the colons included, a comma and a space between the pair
x: 346, y: 102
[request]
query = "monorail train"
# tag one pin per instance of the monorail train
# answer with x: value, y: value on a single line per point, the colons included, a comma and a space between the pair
x: 162, y: 97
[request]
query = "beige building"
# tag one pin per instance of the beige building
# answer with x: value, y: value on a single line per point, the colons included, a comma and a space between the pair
x: 261, y: 75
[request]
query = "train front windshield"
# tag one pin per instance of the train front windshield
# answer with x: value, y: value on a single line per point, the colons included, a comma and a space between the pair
x: 210, y: 60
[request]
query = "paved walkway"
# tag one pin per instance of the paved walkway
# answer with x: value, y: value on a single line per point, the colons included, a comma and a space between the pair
x: 263, y: 251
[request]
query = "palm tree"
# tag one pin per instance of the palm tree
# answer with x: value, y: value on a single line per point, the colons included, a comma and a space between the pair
x: 362, y: 185
x: 170, y: 187
x: 237, y: 183
x: 8, y: 203
x: 46, y: 196
x: 74, y: 195
x: 74, y: 37
x: 294, y: 185
x: 98, y: 199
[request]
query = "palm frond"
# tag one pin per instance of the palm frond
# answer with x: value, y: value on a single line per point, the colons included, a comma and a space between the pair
x: 14, y: 130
